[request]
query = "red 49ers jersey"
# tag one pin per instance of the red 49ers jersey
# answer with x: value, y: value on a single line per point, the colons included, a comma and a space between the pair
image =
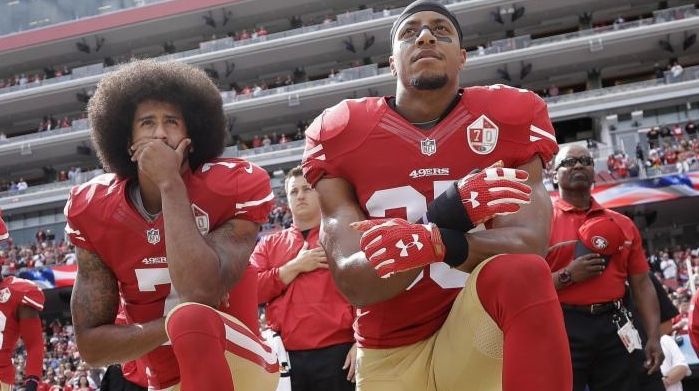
x: 396, y: 169
x: 14, y: 292
x: 102, y: 220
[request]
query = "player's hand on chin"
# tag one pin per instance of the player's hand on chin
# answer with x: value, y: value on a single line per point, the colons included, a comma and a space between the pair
x: 158, y: 161
x: 396, y: 245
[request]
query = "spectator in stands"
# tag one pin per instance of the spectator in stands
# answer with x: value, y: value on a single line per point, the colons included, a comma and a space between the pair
x: 83, y: 384
x: 654, y: 159
x: 659, y: 72
x: 665, y: 133
x: 653, y: 135
x: 691, y: 130
x: 685, y: 157
x: 283, y: 139
x: 653, y: 381
x: 262, y: 32
x: 680, y: 323
x: 301, y: 300
x: 668, y: 267
x: 22, y: 185
x: 65, y: 123
x: 266, y: 141
x: 605, y: 251
x: 299, y: 134
x: 244, y: 35
x: 674, y: 368
x: 677, y: 133
x: 676, y: 71
x: 256, y: 141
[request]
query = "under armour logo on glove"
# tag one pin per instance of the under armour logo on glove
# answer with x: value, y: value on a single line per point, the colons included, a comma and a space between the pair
x: 500, y: 191
x: 404, y: 247
x: 472, y: 200
x: 395, y: 245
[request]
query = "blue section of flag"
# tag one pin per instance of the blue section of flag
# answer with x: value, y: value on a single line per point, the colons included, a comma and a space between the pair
x: 43, y: 277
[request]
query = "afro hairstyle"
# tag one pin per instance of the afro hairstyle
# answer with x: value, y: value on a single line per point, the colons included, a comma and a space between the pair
x: 112, y: 108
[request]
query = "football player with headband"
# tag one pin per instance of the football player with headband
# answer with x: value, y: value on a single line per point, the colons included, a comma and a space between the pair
x: 443, y: 263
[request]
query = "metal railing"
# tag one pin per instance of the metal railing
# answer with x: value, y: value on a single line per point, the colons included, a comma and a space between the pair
x: 18, y: 18
x: 499, y: 46
x: 80, y: 178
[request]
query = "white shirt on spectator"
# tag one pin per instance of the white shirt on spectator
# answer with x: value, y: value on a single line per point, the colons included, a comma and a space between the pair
x: 673, y: 358
x: 676, y: 70
x: 669, y: 268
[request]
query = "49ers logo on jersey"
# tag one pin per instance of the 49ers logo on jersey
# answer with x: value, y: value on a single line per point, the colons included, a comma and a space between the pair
x: 482, y: 135
x: 201, y: 218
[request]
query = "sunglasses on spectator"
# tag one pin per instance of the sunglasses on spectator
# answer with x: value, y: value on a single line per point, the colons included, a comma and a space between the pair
x: 572, y: 161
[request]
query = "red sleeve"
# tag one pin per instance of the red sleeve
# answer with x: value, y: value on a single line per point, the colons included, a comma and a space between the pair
x: 637, y: 262
x: 269, y: 285
x: 254, y: 197
x: 542, y: 136
x: 73, y: 211
x: 30, y: 332
x: 314, y: 163
x: 325, y: 143
x: 32, y: 296
x: 694, y: 323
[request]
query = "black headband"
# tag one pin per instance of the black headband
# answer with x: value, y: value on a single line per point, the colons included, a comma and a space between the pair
x: 425, y: 5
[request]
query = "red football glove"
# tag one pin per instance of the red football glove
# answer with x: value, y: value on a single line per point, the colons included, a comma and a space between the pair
x: 493, y: 192
x: 395, y: 245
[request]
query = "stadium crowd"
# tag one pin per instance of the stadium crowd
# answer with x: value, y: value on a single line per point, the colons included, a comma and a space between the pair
x: 677, y: 268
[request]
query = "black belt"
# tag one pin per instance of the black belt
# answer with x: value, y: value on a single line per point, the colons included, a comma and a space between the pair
x: 595, y: 309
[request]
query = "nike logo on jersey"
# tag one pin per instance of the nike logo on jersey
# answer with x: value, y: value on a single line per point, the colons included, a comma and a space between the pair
x: 248, y: 169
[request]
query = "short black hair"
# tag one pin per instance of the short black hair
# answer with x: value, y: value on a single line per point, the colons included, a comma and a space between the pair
x: 112, y: 108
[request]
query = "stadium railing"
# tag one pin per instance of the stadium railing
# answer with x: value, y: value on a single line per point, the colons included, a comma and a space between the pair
x: 43, y: 15
x: 355, y: 17
x: 688, y: 74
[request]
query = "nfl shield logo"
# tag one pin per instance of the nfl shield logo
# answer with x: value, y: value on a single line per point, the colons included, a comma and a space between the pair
x: 201, y: 218
x: 428, y: 146
x: 153, y: 235
x: 482, y: 135
x: 4, y: 295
